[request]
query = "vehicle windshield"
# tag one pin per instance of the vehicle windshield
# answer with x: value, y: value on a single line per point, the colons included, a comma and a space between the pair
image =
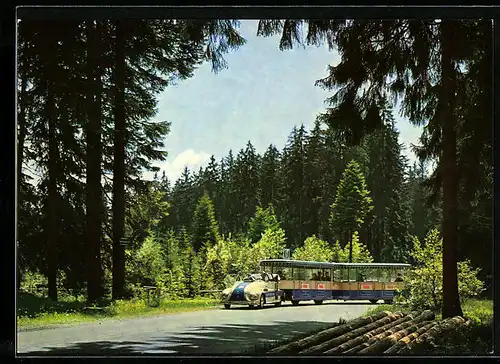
x: 252, y: 277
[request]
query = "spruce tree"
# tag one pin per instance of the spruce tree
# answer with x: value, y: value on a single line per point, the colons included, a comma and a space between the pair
x: 352, y: 204
x: 205, y: 231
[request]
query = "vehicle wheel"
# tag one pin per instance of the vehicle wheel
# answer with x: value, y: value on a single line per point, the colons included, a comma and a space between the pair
x: 373, y: 301
x: 277, y: 304
x: 318, y: 302
x: 227, y: 306
x: 388, y: 302
x: 262, y: 301
x: 295, y: 302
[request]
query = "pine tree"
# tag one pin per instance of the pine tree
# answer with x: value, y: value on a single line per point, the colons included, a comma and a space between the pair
x: 352, y: 204
x: 190, y: 263
x: 292, y: 207
x: 269, y: 176
x: 390, y: 223
x: 313, y: 183
x: 262, y: 220
x: 205, y: 231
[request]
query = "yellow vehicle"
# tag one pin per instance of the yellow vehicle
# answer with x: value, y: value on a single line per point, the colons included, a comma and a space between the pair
x: 256, y: 290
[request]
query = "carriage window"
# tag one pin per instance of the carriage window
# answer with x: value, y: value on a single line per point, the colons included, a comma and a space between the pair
x: 284, y: 273
x: 361, y: 274
x: 317, y: 274
x: 311, y: 274
x: 399, y: 275
x: 352, y: 274
x: 327, y: 276
x: 385, y: 275
x: 344, y: 274
x: 372, y: 274
x: 299, y: 274
x: 267, y: 268
x: 337, y: 274
x: 392, y: 274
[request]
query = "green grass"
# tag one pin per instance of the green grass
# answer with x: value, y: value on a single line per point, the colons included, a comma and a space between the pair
x: 34, y: 311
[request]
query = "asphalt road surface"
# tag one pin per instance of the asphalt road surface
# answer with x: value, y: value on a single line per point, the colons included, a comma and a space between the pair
x: 214, y: 331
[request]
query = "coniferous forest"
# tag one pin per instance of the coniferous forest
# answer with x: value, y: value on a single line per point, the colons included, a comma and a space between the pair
x: 89, y: 223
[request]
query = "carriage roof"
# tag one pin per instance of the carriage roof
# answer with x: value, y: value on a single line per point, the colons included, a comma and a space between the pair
x: 329, y: 265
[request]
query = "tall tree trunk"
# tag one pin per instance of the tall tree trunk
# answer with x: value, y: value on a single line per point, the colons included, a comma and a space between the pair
x: 94, y: 156
x: 451, y: 303
x: 21, y: 136
x: 53, y: 167
x: 119, y: 165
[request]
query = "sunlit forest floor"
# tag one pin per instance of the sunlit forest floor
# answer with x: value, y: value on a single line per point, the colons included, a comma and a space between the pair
x: 35, y: 311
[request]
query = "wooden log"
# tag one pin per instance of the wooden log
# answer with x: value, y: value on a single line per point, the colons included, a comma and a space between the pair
x: 351, y: 334
x: 407, y: 339
x: 415, y: 318
x: 413, y: 343
x: 377, y: 337
x: 445, y: 325
x: 328, y: 334
x: 348, y: 345
x: 381, y: 345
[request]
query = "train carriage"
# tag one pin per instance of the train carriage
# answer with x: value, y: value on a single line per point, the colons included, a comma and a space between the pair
x: 321, y: 281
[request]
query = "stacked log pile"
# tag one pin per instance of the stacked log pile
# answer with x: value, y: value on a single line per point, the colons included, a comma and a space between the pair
x: 384, y: 333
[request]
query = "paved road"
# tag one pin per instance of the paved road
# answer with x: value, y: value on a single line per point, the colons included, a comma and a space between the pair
x: 214, y: 331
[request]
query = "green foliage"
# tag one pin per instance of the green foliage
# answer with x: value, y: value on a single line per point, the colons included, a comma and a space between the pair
x: 424, y: 282
x: 314, y: 249
x: 31, y: 279
x: 150, y: 261
x: 480, y: 312
x: 205, y: 228
x: 262, y: 220
x: 352, y: 202
x: 338, y: 254
x: 270, y: 246
x: 217, y: 263
x: 191, y: 264
x: 360, y: 253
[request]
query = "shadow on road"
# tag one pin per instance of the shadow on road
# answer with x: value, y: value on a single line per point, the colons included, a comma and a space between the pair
x: 307, y: 303
x: 223, y: 339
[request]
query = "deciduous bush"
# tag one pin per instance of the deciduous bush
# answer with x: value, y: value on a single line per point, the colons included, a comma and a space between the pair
x: 314, y: 249
x: 424, y: 282
x: 270, y: 246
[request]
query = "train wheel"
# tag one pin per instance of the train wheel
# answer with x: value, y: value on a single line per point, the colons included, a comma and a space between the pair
x: 373, y: 301
x: 295, y: 302
x: 227, y: 306
x: 318, y: 302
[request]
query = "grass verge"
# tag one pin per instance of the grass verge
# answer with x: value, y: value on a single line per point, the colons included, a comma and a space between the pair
x: 35, y: 312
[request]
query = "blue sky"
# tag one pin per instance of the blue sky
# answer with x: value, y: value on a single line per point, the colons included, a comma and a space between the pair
x: 260, y: 97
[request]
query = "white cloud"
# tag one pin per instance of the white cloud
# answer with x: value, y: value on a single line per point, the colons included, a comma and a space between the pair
x: 174, y: 167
